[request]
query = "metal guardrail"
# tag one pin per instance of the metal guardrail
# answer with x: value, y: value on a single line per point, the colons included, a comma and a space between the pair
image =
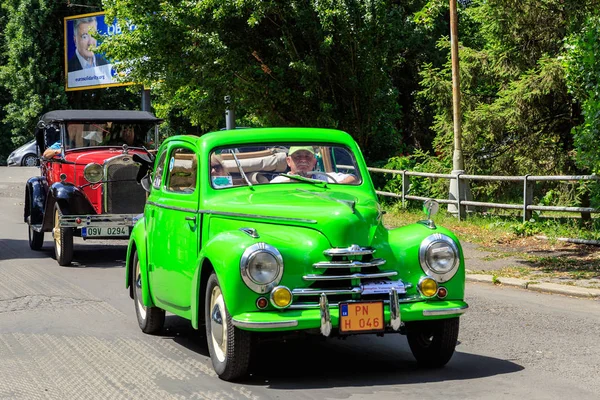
x: 462, y: 179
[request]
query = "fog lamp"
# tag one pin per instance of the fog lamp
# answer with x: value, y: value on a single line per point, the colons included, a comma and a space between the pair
x: 281, y: 297
x: 428, y: 287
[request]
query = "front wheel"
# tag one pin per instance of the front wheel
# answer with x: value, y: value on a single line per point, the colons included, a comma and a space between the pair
x: 150, y: 319
x: 36, y: 239
x: 63, y: 240
x: 229, y: 347
x: 432, y: 342
x: 30, y: 160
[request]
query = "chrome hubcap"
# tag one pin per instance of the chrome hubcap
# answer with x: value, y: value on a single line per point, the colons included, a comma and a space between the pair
x: 138, y: 291
x: 56, y: 232
x: 218, y: 327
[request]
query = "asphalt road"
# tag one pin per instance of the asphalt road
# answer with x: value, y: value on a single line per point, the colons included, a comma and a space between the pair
x: 71, y: 333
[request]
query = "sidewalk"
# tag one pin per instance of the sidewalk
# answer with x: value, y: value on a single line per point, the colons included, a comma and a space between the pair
x: 487, y: 265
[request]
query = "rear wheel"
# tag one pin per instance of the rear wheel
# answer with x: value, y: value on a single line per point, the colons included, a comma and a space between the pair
x: 36, y: 239
x: 150, y: 319
x: 229, y: 347
x: 63, y: 240
x: 432, y: 342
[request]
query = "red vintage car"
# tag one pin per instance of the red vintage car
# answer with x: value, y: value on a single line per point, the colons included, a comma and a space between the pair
x: 90, y: 187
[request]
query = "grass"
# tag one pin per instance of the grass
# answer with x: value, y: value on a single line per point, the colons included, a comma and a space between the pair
x: 510, y: 240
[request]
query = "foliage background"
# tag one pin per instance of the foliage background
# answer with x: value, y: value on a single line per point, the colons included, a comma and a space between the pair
x: 379, y: 69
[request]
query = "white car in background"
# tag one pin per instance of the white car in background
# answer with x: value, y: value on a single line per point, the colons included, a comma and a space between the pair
x: 27, y: 155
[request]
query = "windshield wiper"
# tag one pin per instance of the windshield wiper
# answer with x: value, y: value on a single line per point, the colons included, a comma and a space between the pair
x: 305, y: 179
x: 241, y: 170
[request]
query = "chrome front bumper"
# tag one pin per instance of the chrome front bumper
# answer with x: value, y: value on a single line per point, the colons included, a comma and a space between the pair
x: 110, y: 220
x: 325, y: 319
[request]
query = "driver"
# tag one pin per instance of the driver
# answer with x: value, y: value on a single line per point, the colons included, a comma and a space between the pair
x: 302, y: 161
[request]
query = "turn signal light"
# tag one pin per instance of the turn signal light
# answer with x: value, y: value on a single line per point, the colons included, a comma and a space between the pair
x: 262, y: 303
x: 442, y: 292
x: 428, y: 287
x: 281, y: 297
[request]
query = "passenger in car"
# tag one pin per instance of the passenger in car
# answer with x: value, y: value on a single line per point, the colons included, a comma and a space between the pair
x: 302, y: 161
x: 218, y: 173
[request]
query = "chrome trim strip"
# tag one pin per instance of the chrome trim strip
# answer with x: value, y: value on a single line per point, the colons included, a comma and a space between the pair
x: 330, y: 292
x: 314, y: 292
x: 446, y: 311
x: 325, y: 315
x: 395, y: 320
x: 376, y: 262
x: 312, y: 277
x: 274, y: 218
x: 264, y: 325
x: 354, y: 250
x: 190, y: 210
x: 68, y: 221
x: 309, y: 306
x: 231, y: 214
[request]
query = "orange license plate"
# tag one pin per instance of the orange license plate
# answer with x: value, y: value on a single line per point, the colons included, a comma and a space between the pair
x: 361, y: 317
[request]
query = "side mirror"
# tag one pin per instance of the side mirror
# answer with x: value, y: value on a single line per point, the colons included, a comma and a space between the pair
x: 41, y: 124
x: 430, y: 208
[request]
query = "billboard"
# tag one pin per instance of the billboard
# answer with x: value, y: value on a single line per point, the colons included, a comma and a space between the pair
x: 84, y: 68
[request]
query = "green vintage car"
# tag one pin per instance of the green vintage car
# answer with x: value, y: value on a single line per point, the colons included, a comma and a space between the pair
x: 279, y: 230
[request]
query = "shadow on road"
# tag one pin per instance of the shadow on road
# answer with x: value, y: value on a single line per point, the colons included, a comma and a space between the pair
x: 314, y: 362
x: 85, y: 255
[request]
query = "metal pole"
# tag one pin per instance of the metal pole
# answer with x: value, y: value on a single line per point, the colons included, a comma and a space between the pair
x: 229, y: 116
x: 458, y: 192
x: 146, y: 99
x: 457, y: 159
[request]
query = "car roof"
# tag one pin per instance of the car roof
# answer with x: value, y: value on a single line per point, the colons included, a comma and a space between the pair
x: 268, y: 135
x: 98, y: 116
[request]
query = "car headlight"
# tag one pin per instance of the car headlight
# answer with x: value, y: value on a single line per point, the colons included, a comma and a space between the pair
x: 93, y: 173
x: 438, y: 255
x: 261, y: 267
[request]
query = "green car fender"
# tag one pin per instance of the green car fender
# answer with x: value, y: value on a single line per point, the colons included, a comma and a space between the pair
x: 221, y: 254
x: 137, y: 243
x: 405, y: 243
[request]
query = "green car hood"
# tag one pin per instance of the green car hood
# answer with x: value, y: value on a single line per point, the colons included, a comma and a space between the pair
x: 344, y: 217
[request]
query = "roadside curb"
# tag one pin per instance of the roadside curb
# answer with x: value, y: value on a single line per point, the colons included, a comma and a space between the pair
x: 538, y: 287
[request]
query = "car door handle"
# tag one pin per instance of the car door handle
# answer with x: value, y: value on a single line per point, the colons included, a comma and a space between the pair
x: 190, y: 219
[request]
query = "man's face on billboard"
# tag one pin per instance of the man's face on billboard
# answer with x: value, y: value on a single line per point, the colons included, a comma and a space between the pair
x: 84, y: 41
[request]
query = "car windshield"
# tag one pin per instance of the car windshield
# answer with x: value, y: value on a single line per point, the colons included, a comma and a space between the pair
x: 109, y: 134
x: 308, y: 163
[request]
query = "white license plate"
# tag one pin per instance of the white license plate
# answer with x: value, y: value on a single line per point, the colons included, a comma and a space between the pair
x: 98, y: 231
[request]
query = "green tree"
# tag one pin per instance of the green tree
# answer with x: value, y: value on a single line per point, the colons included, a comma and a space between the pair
x: 583, y: 77
x: 32, y: 69
x: 343, y: 64
x: 517, y: 112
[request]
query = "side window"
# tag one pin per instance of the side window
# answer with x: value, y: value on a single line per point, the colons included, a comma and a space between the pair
x: 183, y: 168
x: 158, y: 171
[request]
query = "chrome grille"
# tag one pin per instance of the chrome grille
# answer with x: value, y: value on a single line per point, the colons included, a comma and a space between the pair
x: 122, y: 194
x: 342, y: 276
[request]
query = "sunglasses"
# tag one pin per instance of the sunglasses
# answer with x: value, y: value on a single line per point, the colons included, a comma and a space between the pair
x: 216, y: 167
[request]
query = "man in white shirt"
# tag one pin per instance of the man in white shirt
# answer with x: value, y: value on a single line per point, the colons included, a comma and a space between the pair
x: 302, y: 161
